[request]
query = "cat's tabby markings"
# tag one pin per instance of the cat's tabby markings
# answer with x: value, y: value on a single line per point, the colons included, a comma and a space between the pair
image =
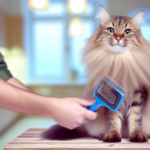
x: 117, y: 50
x: 135, y: 116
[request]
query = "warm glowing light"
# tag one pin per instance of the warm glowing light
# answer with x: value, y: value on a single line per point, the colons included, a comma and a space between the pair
x: 38, y: 4
x: 76, y: 27
x: 77, y: 6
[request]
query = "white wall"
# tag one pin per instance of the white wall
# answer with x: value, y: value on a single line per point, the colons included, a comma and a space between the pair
x: 125, y: 7
x: 6, y: 118
x: 11, y: 7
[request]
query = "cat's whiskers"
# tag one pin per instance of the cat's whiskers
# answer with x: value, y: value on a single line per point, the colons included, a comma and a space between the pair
x: 92, y: 45
x: 132, y: 46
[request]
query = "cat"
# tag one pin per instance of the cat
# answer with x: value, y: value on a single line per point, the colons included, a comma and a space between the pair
x: 117, y: 50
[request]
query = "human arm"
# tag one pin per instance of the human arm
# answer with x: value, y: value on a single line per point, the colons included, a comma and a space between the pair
x: 14, y: 96
x: 68, y: 112
x: 17, y: 83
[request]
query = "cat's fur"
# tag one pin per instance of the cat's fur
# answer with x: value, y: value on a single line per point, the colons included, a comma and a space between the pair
x: 127, y: 63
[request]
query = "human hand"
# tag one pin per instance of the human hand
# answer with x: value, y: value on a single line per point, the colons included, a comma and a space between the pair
x: 71, y: 112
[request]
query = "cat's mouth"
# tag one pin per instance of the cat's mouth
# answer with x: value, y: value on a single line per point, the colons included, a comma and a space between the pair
x: 117, y: 48
x: 118, y: 44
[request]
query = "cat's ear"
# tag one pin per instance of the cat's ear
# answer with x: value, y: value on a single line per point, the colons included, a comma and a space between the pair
x: 103, y: 14
x: 138, y: 19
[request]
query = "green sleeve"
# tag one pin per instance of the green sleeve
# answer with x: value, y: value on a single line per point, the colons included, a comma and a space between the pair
x: 5, y: 74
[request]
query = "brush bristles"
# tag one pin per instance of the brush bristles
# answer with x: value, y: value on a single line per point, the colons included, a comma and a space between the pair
x: 107, y: 93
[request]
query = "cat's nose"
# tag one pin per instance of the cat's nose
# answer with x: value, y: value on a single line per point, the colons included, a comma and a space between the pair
x: 118, y: 39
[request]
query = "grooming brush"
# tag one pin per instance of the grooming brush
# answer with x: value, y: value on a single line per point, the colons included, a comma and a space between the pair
x: 108, y: 95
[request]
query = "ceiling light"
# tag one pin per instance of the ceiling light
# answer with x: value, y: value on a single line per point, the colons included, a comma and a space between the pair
x: 38, y: 4
x: 75, y: 27
x: 77, y: 6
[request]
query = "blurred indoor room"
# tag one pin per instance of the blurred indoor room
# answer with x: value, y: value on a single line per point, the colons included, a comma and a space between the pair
x: 41, y: 41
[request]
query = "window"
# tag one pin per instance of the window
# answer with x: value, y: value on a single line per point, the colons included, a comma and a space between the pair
x: 145, y: 28
x: 53, y: 54
x: 57, y: 9
x: 77, y: 44
x: 48, y: 43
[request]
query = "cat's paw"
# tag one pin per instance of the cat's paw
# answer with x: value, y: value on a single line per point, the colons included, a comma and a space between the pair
x: 112, y: 137
x: 101, y: 137
x: 138, y: 137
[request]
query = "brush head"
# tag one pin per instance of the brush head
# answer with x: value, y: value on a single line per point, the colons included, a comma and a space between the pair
x: 108, y: 93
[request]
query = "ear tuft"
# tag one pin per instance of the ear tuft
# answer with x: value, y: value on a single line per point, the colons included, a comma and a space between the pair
x: 138, y: 19
x: 103, y: 14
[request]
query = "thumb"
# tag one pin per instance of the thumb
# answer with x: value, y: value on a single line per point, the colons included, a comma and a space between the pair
x: 90, y: 115
x: 86, y: 103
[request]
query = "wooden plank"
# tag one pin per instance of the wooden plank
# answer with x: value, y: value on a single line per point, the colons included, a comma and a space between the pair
x: 38, y: 129
x: 77, y: 146
x: 31, y: 140
x: 79, y: 141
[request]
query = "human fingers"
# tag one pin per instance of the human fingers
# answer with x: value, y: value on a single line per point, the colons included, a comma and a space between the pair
x: 90, y: 114
x: 85, y: 103
x: 85, y: 120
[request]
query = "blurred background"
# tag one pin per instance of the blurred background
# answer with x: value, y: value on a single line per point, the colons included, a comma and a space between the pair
x: 41, y: 42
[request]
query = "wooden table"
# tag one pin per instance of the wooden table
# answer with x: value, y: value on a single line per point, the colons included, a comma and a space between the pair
x: 30, y: 140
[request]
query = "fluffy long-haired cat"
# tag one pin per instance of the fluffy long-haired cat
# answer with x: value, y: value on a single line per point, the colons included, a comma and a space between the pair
x: 116, y: 50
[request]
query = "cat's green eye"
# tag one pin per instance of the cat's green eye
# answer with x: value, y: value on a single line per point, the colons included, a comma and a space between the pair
x: 127, y: 31
x: 111, y: 30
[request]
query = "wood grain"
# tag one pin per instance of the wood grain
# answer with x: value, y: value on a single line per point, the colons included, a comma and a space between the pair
x: 31, y: 140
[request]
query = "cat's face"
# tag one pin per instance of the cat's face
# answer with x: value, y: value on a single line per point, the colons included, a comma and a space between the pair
x: 118, y: 50
x: 118, y: 33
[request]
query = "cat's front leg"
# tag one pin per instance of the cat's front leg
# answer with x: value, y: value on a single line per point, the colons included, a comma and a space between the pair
x: 135, y: 116
x: 114, y: 127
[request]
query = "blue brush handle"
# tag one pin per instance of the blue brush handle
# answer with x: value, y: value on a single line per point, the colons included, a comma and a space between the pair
x: 95, y: 106
x: 99, y: 102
